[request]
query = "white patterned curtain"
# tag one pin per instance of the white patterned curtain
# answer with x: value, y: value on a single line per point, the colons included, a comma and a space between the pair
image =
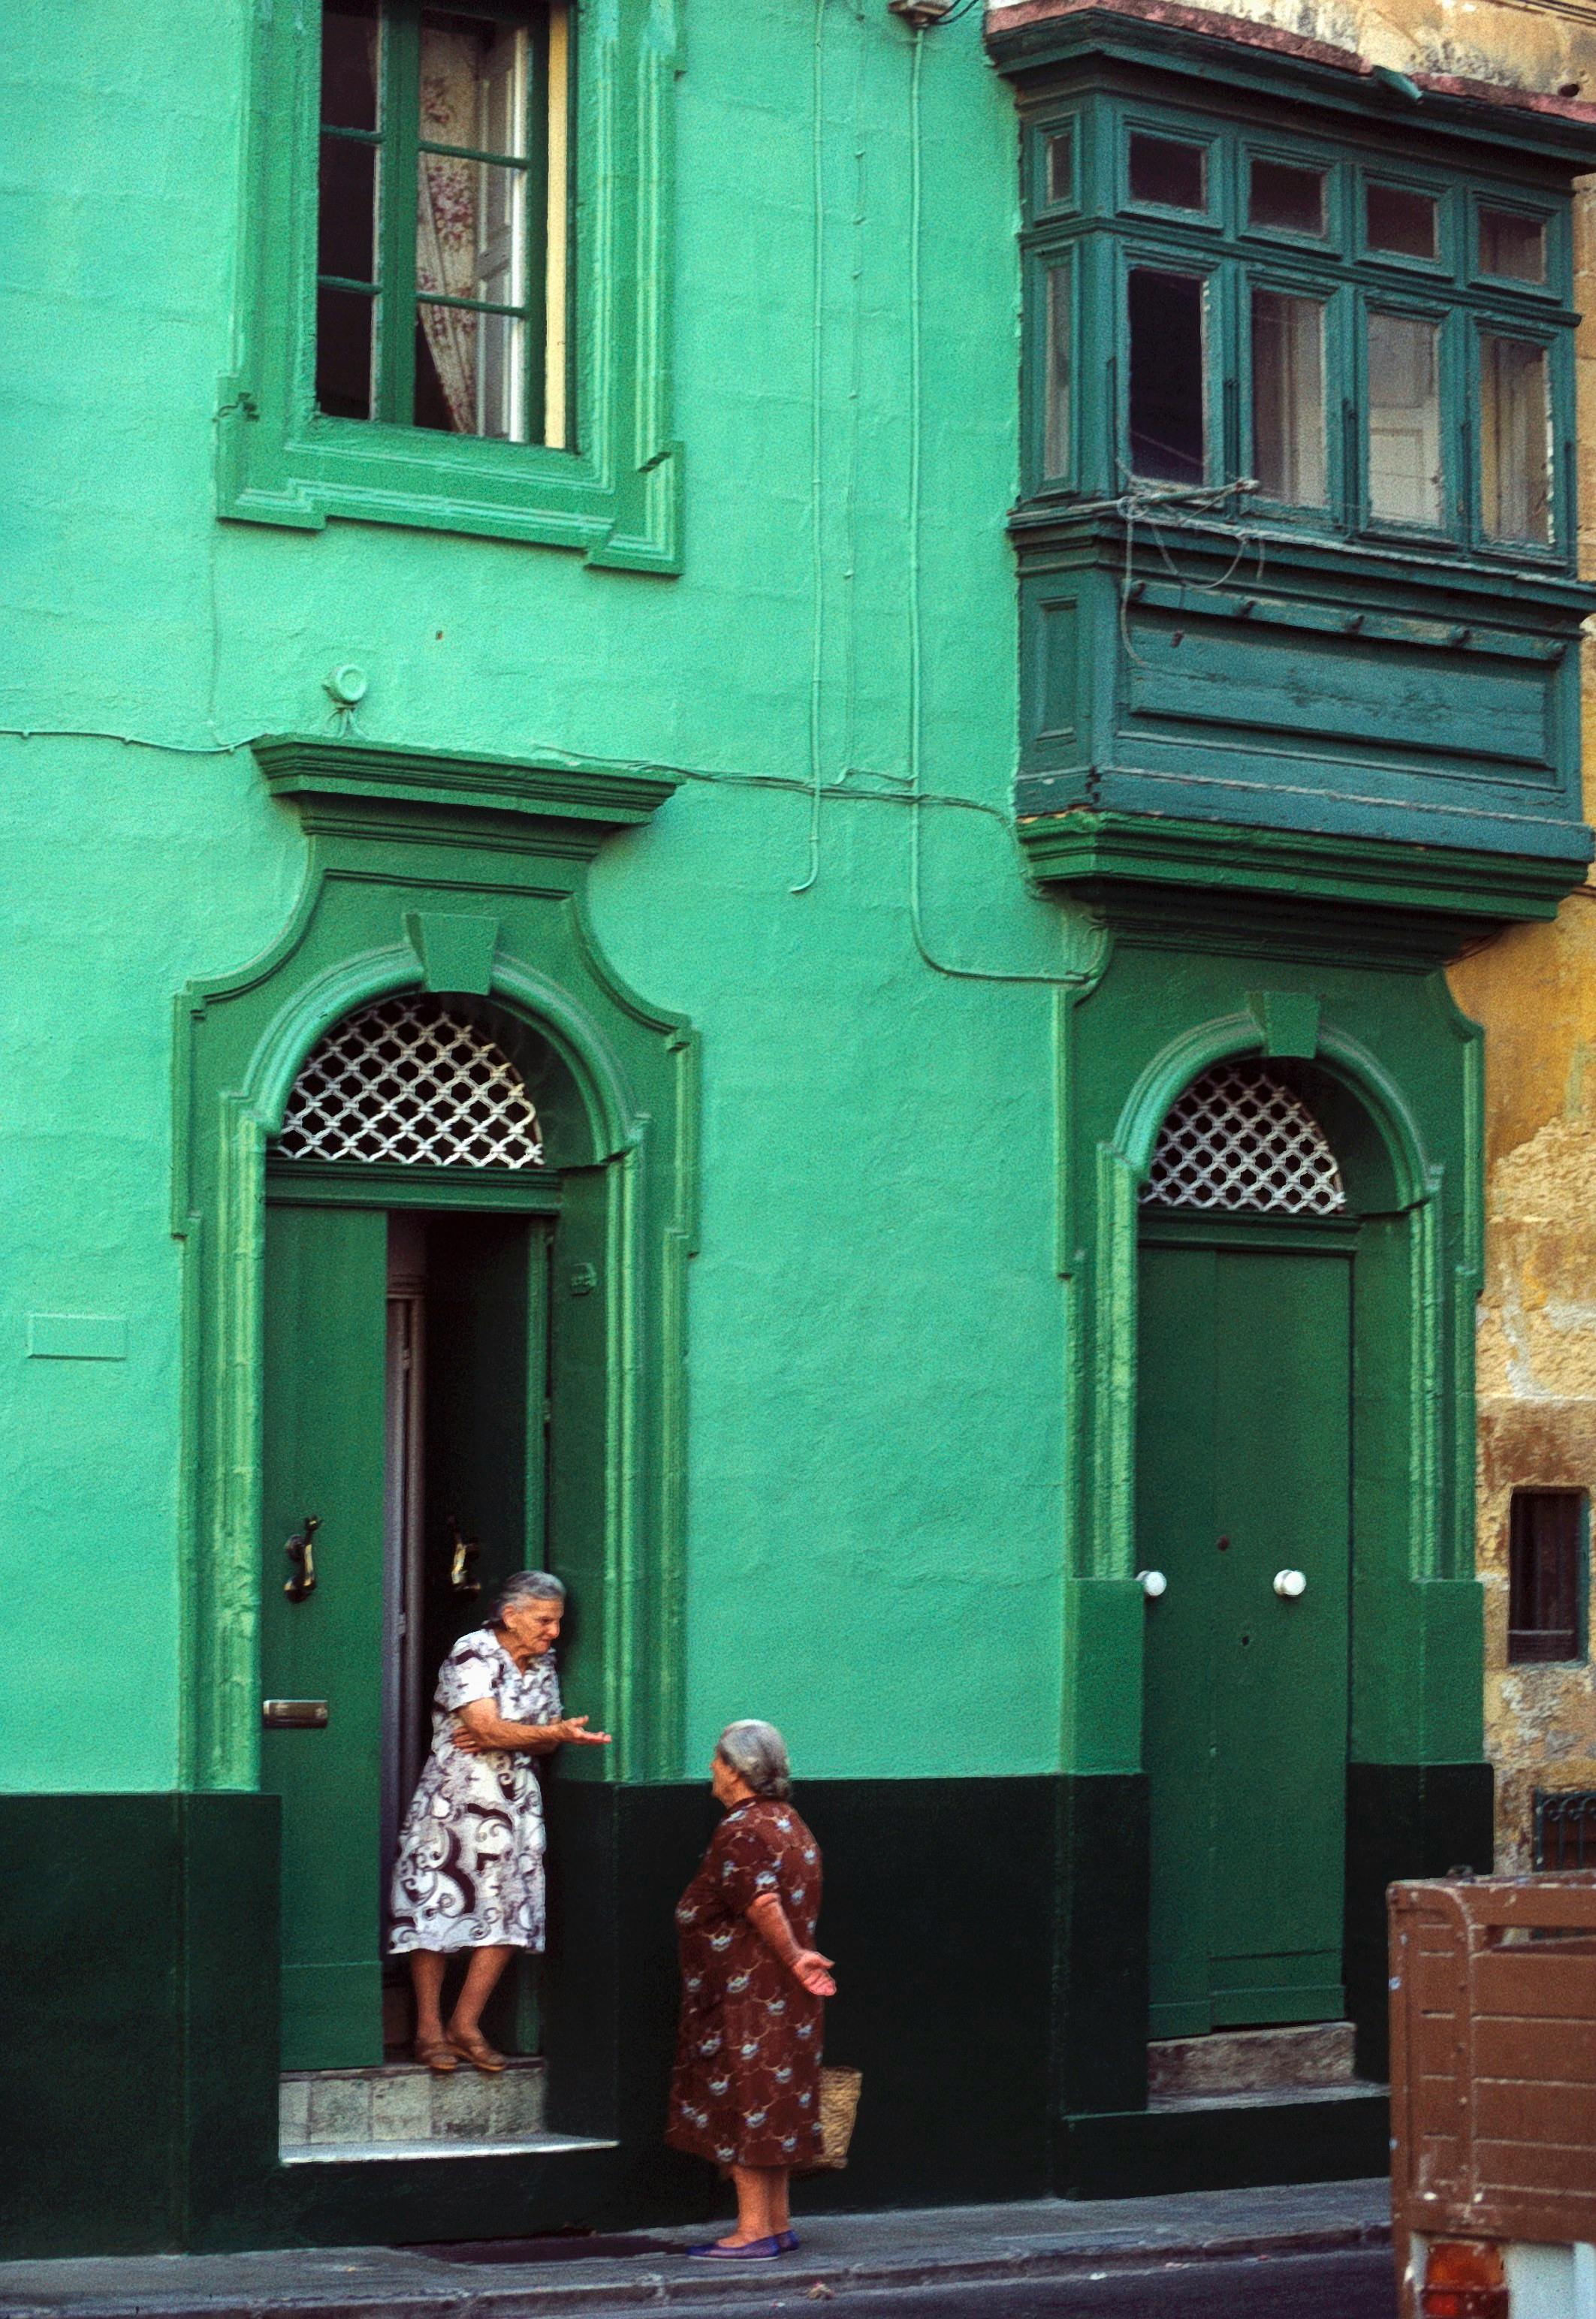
x: 447, y: 234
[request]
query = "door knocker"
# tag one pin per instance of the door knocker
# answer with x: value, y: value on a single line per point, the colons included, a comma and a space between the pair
x: 301, y: 1550
x: 466, y: 1550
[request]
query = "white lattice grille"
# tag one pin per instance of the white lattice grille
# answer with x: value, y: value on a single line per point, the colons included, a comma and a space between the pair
x: 1239, y: 1138
x: 407, y: 1080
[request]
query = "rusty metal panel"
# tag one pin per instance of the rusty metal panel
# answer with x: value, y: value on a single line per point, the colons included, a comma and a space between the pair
x: 1493, y: 2058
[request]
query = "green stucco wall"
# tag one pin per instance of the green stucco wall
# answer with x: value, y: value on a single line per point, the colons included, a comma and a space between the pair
x: 874, y: 1520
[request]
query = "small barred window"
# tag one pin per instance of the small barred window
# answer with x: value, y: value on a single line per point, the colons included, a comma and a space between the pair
x: 407, y: 1080
x: 1240, y: 1137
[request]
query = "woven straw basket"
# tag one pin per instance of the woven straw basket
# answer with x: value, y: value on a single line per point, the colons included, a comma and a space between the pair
x: 839, y: 2106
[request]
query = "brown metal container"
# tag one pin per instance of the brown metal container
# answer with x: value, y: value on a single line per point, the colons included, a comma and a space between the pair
x: 1493, y: 2062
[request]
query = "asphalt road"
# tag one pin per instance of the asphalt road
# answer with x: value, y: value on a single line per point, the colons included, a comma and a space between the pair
x: 1358, y: 2285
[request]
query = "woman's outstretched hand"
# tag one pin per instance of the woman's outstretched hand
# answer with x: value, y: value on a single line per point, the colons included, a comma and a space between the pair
x: 812, y: 1969
x: 478, y: 1731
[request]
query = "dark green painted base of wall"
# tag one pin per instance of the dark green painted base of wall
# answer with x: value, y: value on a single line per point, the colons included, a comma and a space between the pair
x: 1403, y: 1820
x: 138, y: 2079
x: 991, y: 1944
x: 1148, y: 2153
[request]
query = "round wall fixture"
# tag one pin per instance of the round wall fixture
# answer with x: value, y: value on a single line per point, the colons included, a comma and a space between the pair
x: 347, y: 685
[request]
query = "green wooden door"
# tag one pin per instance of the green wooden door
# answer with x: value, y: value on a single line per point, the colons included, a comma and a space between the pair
x: 1244, y: 1472
x: 326, y: 1279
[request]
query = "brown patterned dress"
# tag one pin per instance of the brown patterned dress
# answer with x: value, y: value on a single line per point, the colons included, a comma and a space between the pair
x: 746, y: 2087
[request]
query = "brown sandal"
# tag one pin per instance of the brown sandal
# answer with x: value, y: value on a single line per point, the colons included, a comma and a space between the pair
x: 478, y: 2052
x: 436, y: 2053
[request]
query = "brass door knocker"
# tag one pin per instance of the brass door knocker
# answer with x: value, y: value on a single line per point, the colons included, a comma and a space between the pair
x: 466, y: 1550
x: 301, y: 1550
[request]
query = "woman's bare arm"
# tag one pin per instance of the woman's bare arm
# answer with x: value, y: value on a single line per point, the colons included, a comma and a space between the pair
x: 479, y: 1729
x: 806, y: 1966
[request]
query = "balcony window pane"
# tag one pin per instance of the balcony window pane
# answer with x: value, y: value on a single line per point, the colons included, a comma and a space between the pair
x: 1288, y: 397
x: 1400, y: 221
x: 1168, y: 414
x: 1285, y: 199
x: 1060, y: 151
x: 1404, y: 420
x: 1168, y: 171
x: 1512, y: 247
x: 1057, y: 372
x: 1515, y: 440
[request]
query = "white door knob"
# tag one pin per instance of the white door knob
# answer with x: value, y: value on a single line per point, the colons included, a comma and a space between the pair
x: 1152, y: 1583
x: 1290, y: 1584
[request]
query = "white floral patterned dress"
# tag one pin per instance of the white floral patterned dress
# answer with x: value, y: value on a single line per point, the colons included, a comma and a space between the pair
x: 470, y: 1867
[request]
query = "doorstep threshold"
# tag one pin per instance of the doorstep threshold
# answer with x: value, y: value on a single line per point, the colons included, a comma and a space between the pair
x: 525, y: 2145
x: 1264, y: 2097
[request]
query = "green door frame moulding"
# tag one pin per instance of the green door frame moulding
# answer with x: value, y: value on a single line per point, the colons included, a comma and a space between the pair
x: 449, y: 873
x: 1402, y: 1103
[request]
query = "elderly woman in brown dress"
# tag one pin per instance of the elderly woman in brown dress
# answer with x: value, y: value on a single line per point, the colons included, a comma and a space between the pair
x: 745, y: 2093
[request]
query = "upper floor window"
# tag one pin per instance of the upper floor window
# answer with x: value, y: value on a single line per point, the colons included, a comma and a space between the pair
x: 439, y: 219
x: 1372, y: 349
x: 455, y: 273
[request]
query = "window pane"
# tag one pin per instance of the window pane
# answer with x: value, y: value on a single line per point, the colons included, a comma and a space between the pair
x: 1515, y: 440
x: 349, y: 63
x: 1288, y: 397
x: 346, y: 228
x: 472, y: 83
x: 1057, y: 454
x: 1168, y: 170
x: 1060, y: 147
x: 470, y: 226
x: 1546, y: 1538
x: 1404, y: 420
x: 1168, y: 419
x: 1512, y: 246
x: 1286, y: 199
x: 344, y: 331
x: 1400, y: 221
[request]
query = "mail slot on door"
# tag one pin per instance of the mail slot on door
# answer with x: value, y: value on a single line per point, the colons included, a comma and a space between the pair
x: 294, y: 1714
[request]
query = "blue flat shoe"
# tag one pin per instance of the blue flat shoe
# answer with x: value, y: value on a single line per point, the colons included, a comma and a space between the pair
x: 756, y: 2251
x: 786, y: 2241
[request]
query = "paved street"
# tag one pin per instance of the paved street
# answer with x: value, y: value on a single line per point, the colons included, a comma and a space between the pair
x: 1354, y: 2284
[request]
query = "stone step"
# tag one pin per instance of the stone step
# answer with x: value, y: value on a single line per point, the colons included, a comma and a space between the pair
x: 1315, y: 2056
x: 402, y: 2102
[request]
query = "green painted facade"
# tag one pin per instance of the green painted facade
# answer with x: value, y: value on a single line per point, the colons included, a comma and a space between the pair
x: 688, y: 760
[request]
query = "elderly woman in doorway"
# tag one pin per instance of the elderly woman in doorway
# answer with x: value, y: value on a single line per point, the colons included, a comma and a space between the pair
x: 468, y: 1875
x: 746, y: 2088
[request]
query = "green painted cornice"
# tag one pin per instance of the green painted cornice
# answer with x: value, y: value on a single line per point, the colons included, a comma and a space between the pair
x: 1287, y: 68
x: 1052, y: 532
x: 1141, y: 860
x: 358, y: 788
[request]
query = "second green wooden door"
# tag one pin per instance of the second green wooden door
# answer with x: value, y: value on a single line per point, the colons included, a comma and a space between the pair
x: 1243, y: 1475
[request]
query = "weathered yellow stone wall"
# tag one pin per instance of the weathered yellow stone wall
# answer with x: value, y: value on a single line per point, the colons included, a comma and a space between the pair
x: 1535, y: 991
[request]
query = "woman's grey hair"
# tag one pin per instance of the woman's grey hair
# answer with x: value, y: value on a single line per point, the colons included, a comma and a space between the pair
x: 757, y: 1752
x: 525, y: 1586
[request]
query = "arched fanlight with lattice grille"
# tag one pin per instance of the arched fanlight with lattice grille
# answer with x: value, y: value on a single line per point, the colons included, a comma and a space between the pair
x: 1240, y: 1137
x: 407, y: 1080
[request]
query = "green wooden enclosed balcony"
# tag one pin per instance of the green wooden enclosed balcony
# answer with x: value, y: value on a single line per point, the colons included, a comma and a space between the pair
x: 1299, y: 606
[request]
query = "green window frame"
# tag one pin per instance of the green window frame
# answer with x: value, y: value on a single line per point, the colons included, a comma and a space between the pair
x: 608, y: 483
x: 1476, y: 420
